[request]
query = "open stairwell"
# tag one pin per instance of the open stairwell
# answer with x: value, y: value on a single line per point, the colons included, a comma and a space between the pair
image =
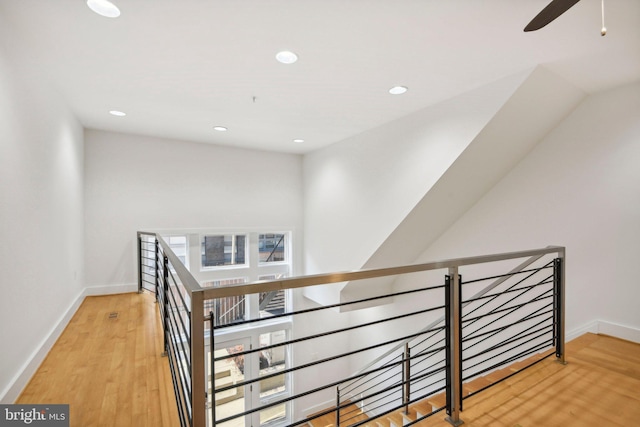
x: 538, y: 391
x: 352, y: 415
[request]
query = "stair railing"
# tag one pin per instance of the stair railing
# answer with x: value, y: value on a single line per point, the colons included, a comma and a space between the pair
x: 426, y: 361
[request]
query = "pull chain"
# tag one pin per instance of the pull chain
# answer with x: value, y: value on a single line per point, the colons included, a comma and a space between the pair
x: 603, y: 31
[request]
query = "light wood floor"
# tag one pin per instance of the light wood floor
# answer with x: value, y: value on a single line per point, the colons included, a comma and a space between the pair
x: 109, y: 369
x: 111, y: 372
x: 600, y: 386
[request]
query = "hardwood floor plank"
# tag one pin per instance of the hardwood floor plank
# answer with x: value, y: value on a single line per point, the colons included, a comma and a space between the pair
x: 111, y: 372
x: 598, y: 387
x: 108, y: 367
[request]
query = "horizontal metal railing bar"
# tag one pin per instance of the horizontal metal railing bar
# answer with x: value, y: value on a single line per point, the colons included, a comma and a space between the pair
x: 559, y: 250
x: 473, y: 393
x: 540, y: 332
x: 393, y: 364
x: 191, y: 286
x: 320, y: 361
x: 323, y: 279
x: 508, y: 275
x: 176, y: 390
x: 283, y: 401
x: 430, y: 367
x: 348, y: 387
x: 174, y: 360
x: 495, y: 296
x: 389, y: 411
x: 466, y: 323
x: 510, y: 360
x: 329, y: 306
x: 401, y: 383
x: 492, y: 332
x: 419, y: 343
x: 332, y: 332
x: 496, y: 331
x: 510, y: 308
x: 487, y: 335
x: 509, y: 291
x: 176, y: 285
x: 188, y: 281
x: 180, y: 328
x: 177, y: 345
x: 440, y: 380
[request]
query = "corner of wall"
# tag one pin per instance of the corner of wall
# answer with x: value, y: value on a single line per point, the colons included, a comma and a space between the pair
x: 11, y: 393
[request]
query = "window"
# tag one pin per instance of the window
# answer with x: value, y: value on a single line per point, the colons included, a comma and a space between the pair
x: 178, y: 245
x: 221, y: 250
x: 272, y: 247
x: 233, y: 258
x: 233, y: 367
x: 228, y: 309
x: 274, y: 302
x: 272, y: 361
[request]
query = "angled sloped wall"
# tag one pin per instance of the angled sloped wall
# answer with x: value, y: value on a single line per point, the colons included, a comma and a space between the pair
x: 365, y: 210
x: 579, y: 188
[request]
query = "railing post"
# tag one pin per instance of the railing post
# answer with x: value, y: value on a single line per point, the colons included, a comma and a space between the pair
x: 212, y: 369
x: 559, y: 312
x: 198, y: 374
x: 407, y: 377
x: 165, y: 301
x: 139, y: 264
x: 454, y: 347
x: 155, y: 267
x: 338, y: 406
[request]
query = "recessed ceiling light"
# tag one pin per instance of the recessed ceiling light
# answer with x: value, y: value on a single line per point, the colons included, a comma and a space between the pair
x: 286, y: 57
x: 104, y: 8
x: 220, y: 128
x: 299, y: 141
x: 117, y: 113
x: 398, y: 90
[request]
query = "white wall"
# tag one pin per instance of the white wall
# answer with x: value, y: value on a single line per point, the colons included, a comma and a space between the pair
x: 357, y: 191
x: 41, y: 221
x: 137, y: 183
x: 579, y: 188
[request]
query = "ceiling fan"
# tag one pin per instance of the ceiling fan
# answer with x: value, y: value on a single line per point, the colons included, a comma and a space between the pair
x: 549, y: 13
x: 554, y: 10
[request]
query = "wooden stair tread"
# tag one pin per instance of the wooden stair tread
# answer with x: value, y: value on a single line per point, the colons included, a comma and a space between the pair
x: 411, y: 416
x: 475, y: 385
x: 437, y: 401
x: 396, y: 419
x: 352, y: 411
x: 422, y: 408
x: 382, y: 422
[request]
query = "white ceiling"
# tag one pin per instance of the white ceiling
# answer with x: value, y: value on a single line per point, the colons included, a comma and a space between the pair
x: 180, y: 67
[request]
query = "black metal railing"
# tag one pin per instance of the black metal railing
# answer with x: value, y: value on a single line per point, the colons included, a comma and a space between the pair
x: 173, y: 286
x: 418, y: 356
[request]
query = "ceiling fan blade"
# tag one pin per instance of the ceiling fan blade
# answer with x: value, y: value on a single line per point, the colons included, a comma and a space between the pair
x: 549, y: 13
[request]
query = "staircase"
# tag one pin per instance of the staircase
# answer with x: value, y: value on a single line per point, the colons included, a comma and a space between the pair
x: 352, y: 415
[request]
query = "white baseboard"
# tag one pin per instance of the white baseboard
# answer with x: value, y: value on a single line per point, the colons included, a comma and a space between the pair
x: 575, y: 333
x: 21, y: 379
x: 619, y: 331
x: 111, y: 289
